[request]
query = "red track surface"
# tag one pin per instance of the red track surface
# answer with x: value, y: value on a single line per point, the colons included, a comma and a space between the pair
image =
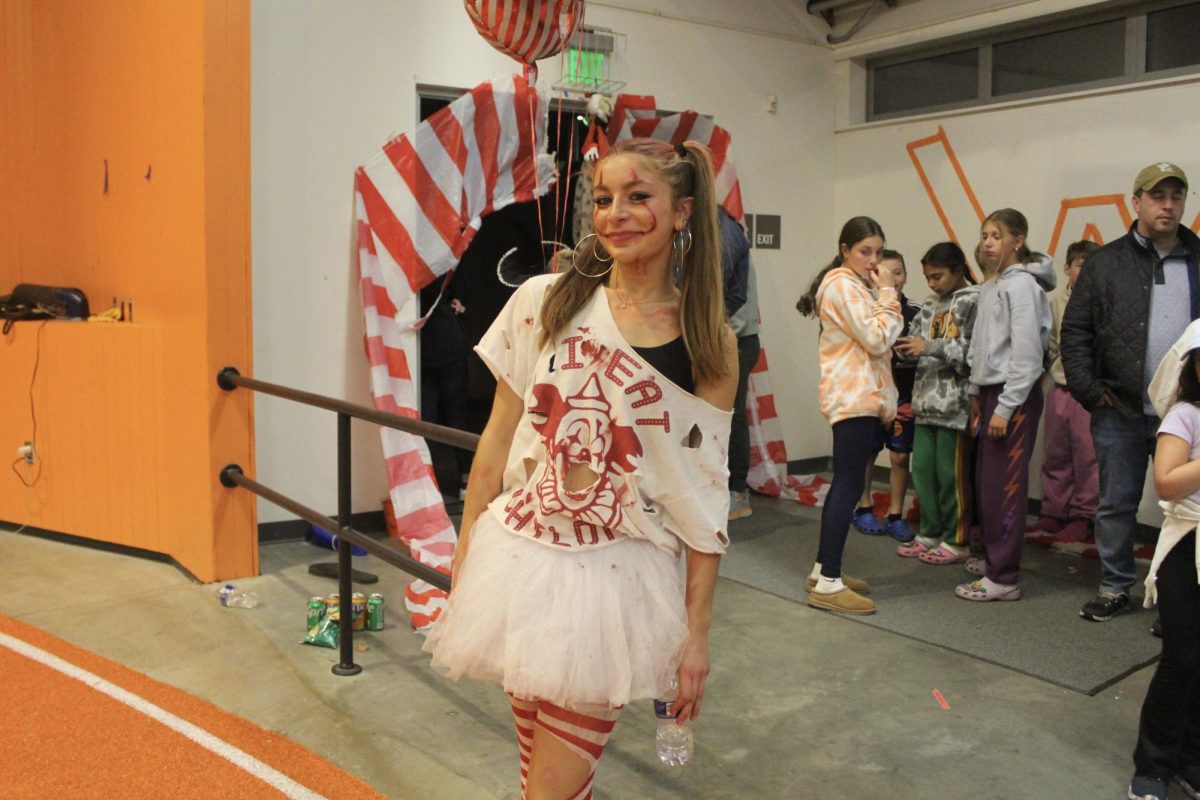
x: 61, y: 737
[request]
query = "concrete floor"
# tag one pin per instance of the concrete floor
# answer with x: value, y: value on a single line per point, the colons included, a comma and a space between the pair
x: 800, y: 703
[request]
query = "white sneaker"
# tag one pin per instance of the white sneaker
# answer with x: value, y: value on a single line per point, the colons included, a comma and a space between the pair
x: 739, y: 505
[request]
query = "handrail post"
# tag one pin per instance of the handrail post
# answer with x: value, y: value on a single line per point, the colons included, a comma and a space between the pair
x: 345, y: 588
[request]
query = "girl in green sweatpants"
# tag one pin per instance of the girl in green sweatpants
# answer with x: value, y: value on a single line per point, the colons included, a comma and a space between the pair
x: 940, y: 460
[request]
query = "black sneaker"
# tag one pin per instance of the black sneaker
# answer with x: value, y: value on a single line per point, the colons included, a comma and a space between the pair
x: 1156, y: 630
x: 1147, y: 789
x: 1104, y: 606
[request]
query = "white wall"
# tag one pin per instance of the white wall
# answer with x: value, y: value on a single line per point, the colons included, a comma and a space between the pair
x: 1030, y: 157
x: 331, y: 81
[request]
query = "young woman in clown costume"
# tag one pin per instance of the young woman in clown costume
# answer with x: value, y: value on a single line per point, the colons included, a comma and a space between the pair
x: 602, y: 465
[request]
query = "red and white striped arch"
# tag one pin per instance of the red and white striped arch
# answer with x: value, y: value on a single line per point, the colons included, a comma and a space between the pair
x: 418, y: 204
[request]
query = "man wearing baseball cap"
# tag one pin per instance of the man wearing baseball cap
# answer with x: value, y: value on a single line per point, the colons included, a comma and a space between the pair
x: 1132, y: 301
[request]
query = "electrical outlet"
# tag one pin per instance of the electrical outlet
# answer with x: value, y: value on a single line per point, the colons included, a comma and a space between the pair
x: 26, y: 452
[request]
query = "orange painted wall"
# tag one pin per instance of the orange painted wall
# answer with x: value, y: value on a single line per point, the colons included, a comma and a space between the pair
x: 128, y: 155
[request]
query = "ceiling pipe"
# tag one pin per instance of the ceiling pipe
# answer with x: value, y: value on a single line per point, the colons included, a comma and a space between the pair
x: 821, y: 6
x: 862, y: 20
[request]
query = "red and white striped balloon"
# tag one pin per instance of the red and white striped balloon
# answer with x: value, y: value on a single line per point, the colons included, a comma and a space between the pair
x: 527, y: 30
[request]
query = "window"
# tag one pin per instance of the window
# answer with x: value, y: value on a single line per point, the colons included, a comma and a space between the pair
x: 1112, y: 46
x: 1063, y: 58
x: 1171, y: 36
x: 927, y: 83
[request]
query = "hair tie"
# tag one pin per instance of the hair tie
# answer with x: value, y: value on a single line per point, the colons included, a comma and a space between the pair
x: 681, y: 150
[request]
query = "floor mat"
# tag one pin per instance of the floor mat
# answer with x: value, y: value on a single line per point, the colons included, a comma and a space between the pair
x: 1041, y: 635
x: 82, y: 726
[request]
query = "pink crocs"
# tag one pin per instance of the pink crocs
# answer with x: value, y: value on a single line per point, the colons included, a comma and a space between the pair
x: 943, y: 555
x: 913, y: 549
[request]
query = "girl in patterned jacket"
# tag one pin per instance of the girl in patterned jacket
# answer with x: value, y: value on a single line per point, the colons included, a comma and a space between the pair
x: 603, y: 460
x: 941, y: 447
x: 859, y: 311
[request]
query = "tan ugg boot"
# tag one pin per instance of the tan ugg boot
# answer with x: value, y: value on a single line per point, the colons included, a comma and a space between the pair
x: 844, y: 601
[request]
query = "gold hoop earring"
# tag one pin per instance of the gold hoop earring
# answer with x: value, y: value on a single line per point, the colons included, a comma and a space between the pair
x: 595, y: 254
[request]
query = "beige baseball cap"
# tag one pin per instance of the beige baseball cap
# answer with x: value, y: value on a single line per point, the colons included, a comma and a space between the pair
x: 1152, y: 175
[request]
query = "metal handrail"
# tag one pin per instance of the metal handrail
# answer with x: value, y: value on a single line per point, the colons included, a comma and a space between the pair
x: 232, y: 476
x: 229, y: 378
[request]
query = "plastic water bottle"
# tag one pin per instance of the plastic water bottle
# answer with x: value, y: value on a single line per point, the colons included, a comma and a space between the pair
x: 232, y: 597
x: 672, y: 739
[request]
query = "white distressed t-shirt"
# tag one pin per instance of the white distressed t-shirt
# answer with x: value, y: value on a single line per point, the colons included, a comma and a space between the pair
x: 658, y: 454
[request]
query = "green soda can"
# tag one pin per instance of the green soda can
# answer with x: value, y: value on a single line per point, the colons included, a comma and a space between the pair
x: 375, y: 612
x: 316, y: 611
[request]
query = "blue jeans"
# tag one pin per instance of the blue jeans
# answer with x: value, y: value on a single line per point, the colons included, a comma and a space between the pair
x: 1124, y: 445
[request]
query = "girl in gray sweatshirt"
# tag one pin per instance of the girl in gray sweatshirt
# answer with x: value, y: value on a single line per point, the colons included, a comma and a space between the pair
x: 1008, y: 356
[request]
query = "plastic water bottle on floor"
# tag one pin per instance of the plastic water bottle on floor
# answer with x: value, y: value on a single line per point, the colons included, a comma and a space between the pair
x: 232, y: 597
x: 673, y: 741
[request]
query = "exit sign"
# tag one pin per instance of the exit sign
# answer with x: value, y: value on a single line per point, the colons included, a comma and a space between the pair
x: 764, y: 230
x: 586, y: 67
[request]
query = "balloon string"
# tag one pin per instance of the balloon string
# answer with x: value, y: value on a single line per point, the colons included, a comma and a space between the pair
x: 537, y: 178
x: 567, y: 190
x: 558, y: 184
x: 560, y: 231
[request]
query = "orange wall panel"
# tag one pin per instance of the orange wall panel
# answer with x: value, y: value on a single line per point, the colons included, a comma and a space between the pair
x: 230, y: 285
x: 129, y: 141
x: 97, y: 432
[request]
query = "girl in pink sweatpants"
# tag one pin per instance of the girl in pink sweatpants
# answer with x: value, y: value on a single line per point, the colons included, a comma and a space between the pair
x: 1070, y: 479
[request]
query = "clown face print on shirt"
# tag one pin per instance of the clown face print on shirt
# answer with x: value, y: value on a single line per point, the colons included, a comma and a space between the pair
x: 592, y: 407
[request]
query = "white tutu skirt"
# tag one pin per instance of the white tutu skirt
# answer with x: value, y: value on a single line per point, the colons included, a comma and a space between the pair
x: 595, y: 627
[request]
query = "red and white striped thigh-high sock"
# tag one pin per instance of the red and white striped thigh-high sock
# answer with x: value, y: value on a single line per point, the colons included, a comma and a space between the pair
x: 583, y: 734
x: 525, y: 716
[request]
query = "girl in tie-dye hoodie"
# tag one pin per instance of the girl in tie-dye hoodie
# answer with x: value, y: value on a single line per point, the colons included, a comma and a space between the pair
x: 859, y: 311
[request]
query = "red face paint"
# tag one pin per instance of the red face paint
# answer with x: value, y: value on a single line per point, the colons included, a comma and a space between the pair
x: 626, y: 216
x: 634, y: 177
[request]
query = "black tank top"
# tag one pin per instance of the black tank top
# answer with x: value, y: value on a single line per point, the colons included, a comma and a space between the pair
x: 673, y: 361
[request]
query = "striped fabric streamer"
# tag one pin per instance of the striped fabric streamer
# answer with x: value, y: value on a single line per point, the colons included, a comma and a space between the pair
x: 636, y: 116
x: 690, y: 125
x: 768, y: 456
x: 628, y: 109
x: 418, y: 204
